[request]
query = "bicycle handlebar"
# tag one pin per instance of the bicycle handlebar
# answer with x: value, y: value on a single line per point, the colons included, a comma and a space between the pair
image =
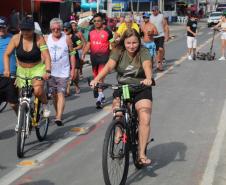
x: 118, y: 86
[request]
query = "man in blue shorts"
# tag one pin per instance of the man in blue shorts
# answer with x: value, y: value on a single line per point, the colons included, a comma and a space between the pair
x: 149, y: 30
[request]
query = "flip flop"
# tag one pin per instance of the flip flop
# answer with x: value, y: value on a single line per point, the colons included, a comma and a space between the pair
x: 59, y: 122
x: 144, y: 161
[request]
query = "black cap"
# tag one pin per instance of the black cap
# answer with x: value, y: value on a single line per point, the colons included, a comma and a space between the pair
x: 3, y: 22
x: 67, y: 25
x: 27, y: 24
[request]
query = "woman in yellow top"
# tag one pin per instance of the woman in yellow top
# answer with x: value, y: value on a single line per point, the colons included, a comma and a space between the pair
x: 31, y: 50
x: 127, y: 24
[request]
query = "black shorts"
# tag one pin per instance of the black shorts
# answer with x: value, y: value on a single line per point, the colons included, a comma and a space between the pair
x: 146, y: 93
x: 78, y: 62
x: 159, y: 42
x: 8, y: 91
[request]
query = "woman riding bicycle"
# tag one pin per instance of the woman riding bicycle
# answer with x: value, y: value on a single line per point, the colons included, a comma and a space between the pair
x: 31, y: 51
x: 134, y: 66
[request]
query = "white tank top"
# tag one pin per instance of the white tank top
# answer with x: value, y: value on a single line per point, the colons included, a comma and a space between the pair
x: 158, y: 22
x: 59, y: 56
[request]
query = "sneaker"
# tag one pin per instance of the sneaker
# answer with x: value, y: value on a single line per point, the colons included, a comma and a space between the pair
x: 189, y: 57
x: 46, y: 111
x: 98, y: 105
x: 222, y: 58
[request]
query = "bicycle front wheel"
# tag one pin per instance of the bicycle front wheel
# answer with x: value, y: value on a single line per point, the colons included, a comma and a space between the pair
x: 115, y: 157
x: 21, y: 134
x: 43, y: 124
x: 3, y: 105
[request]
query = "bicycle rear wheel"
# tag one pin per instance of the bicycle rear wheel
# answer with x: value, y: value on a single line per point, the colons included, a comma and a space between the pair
x: 115, y: 157
x: 21, y: 134
x: 3, y: 105
x: 43, y: 123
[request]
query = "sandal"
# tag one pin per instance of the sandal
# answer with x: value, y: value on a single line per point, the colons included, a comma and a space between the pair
x: 58, y: 122
x: 144, y: 161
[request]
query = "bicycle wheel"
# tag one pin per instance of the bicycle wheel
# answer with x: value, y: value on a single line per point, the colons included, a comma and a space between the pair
x: 3, y: 105
x: 43, y: 123
x: 21, y: 134
x: 115, y: 157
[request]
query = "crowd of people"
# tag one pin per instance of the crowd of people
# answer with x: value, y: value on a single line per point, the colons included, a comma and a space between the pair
x: 130, y: 49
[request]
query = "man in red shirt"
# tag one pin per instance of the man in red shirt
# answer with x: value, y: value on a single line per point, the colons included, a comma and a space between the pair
x: 99, y: 40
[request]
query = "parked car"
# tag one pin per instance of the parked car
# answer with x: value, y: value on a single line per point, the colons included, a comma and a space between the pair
x: 214, y: 18
x: 221, y: 7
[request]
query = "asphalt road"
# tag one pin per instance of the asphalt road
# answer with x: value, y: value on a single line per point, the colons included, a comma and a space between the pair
x: 187, y: 124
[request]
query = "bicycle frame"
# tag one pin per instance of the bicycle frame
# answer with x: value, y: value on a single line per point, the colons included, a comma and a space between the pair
x: 130, y: 116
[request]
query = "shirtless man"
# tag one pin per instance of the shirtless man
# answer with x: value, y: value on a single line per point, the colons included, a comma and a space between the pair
x: 149, y: 30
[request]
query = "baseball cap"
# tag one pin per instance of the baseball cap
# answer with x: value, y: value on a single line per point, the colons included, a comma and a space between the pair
x: 128, y: 19
x: 73, y: 21
x: 27, y: 24
x: 67, y: 25
x: 3, y: 22
x: 146, y: 15
x: 155, y: 8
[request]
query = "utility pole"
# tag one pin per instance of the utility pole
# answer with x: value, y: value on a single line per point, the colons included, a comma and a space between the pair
x: 138, y: 5
x: 98, y: 6
x: 109, y: 8
x: 131, y: 5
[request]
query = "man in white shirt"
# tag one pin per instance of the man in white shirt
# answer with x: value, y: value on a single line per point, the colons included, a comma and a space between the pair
x: 63, y: 66
x: 163, y: 35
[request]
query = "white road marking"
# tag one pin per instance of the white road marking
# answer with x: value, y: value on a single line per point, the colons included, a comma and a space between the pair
x: 214, y: 156
x: 20, y: 171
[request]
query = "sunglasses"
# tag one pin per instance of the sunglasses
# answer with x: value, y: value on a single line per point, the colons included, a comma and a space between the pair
x: 97, y: 21
x: 56, y: 29
x: 145, y: 17
x: 65, y: 29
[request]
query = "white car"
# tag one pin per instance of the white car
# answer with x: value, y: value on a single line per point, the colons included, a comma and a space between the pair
x: 214, y: 18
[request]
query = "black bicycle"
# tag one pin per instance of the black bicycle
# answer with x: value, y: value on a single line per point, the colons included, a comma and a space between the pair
x: 121, y: 136
x: 30, y: 114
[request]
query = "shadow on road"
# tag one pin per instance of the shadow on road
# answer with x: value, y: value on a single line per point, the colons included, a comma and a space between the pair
x: 2, y: 167
x: 161, y: 156
x: 41, y: 182
x: 6, y: 134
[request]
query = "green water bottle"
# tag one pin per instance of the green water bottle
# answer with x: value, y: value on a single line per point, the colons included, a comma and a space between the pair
x: 125, y: 92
